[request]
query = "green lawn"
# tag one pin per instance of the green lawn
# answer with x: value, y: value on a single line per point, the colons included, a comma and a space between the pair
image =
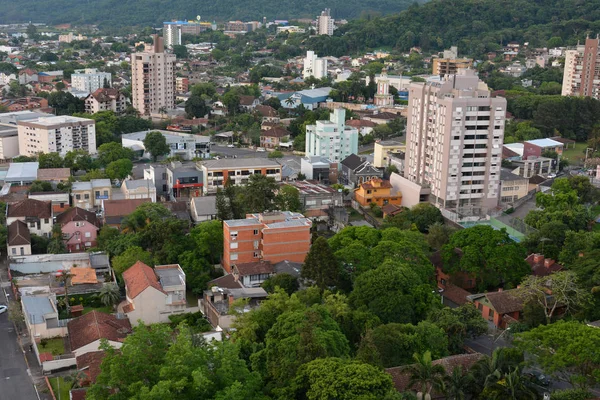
x: 107, y: 310
x: 60, y: 387
x: 575, y: 155
x: 55, y: 346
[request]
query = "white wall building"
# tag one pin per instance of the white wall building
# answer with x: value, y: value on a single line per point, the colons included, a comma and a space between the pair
x: 89, y: 79
x: 56, y: 135
x: 314, y: 66
x: 171, y: 34
x: 332, y: 139
x: 325, y: 23
x: 185, y: 145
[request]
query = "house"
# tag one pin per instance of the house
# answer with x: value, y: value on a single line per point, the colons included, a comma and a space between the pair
x: 271, y: 138
x: 512, y: 187
x: 384, y: 150
x: 59, y: 200
x: 203, y: 208
x: 541, y: 266
x: 500, y: 308
x: 106, y: 99
x: 139, y: 189
x: 115, y: 211
x: 85, y: 332
x: 217, y: 303
x: 356, y: 170
x: 153, y: 293
x: 79, y: 228
x: 41, y: 317
x: 217, y: 172
x: 377, y: 191
x: 390, y: 210
x: 319, y: 169
x: 90, y: 195
x: 268, y: 113
x: 364, y: 126
x: 89, y: 365
x: 36, y: 214
x: 19, y: 239
x: 269, y: 236
x: 316, y: 198
x: 54, y: 175
x: 535, y: 148
x: 247, y: 103
x: 444, y: 280
x: 252, y: 274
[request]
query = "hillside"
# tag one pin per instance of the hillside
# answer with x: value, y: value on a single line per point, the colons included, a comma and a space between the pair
x: 112, y: 13
x: 476, y: 26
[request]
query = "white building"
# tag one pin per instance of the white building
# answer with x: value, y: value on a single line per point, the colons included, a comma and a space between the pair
x: 314, y: 66
x: 185, y: 145
x: 171, y: 34
x: 332, y: 139
x: 56, y: 135
x: 89, y: 80
x: 9, y: 142
x: 139, y: 189
x: 325, y: 23
x: 455, y: 131
x: 383, y: 98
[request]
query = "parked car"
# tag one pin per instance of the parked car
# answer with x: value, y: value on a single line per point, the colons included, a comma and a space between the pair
x: 230, y: 145
x: 261, y: 149
x: 537, y: 378
x: 3, y: 308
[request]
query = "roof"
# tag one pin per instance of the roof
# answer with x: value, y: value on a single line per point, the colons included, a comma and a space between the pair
x: 18, y: 234
x: 542, y: 266
x: 90, y: 364
x: 266, y: 111
x: 95, y: 326
x: 53, y: 174
x: 361, y: 123
x: 563, y: 140
x: 205, y: 205
x: 138, y: 183
x: 352, y: 161
x: 105, y: 94
x: 36, y: 307
x: 508, y: 153
x: 311, y: 187
x: 517, y: 148
x: 455, y: 294
x: 77, y: 214
x: 246, y: 100
x: 225, y: 281
x: 537, y: 179
x: 391, y: 209
x: 254, y: 268
x: 544, y: 143
x: 288, y: 267
x: 81, y: 275
x: 30, y: 208
x: 226, y: 163
x: 22, y: 171
x: 401, y: 377
x: 383, y: 115
x: 78, y: 394
x: 507, y: 175
x: 169, y: 275
x: 138, y: 278
x: 381, y: 184
x: 122, y: 208
x: 503, y: 301
x: 276, y: 131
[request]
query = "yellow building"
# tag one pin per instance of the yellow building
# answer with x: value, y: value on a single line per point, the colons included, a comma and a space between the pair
x: 444, y: 66
x: 512, y: 187
x: 383, y: 149
x: 377, y: 191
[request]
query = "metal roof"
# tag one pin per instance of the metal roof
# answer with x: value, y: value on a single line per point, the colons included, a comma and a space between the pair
x: 545, y: 142
x: 22, y: 171
x: 225, y: 163
x: 36, y: 307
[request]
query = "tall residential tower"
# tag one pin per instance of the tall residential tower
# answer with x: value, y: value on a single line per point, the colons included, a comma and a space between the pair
x: 582, y: 70
x: 325, y: 23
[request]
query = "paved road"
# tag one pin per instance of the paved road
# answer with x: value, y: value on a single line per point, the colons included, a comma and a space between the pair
x: 15, y: 382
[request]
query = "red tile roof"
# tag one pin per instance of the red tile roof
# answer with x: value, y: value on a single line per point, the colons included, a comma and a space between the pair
x: 505, y: 301
x: 138, y: 278
x: 77, y: 214
x: 90, y: 364
x: 78, y: 394
x: 276, y: 131
x: 94, y: 326
x: 455, y: 294
x: 254, y: 268
x: 128, y: 308
x: 266, y: 111
x: 18, y: 234
x: 541, y: 266
x: 54, y: 174
x: 376, y: 184
x: 119, y: 208
x: 30, y: 208
x: 361, y: 123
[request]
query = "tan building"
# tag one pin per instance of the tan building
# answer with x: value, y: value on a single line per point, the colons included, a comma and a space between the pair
x: 512, y: 187
x: 89, y: 195
x: 325, y: 23
x: 454, y: 137
x: 139, y: 189
x: 216, y: 172
x: 449, y: 63
x: 582, y: 70
x: 383, y: 150
x: 9, y: 142
x: 56, y: 135
x: 153, y: 79
x: 105, y: 100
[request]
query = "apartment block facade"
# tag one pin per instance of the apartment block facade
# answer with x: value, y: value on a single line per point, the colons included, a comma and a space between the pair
x: 450, y: 66
x: 455, y: 131
x: 314, y: 66
x: 215, y: 173
x: 56, y: 135
x: 153, y: 79
x: 332, y: 139
x: 89, y: 80
x: 270, y: 236
x: 172, y: 34
x: 325, y: 23
x: 582, y: 70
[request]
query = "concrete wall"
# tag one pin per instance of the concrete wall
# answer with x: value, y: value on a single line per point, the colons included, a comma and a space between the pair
x: 95, y: 346
x: 148, y: 306
x: 49, y: 366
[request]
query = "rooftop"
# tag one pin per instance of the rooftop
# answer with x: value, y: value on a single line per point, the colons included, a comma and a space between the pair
x: 30, y: 208
x: 95, y: 326
x: 228, y: 163
x: 53, y: 174
x: 545, y: 143
x: 121, y: 208
x: 311, y: 187
x: 138, y: 183
x: 22, y: 171
x: 18, y: 234
x: 169, y: 135
x: 36, y: 307
x: 57, y: 120
x: 254, y: 268
x: 138, y: 278
x: 170, y: 275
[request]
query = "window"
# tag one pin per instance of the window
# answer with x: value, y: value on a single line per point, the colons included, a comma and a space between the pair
x: 233, y: 235
x: 255, y: 232
x: 233, y: 245
x: 255, y: 244
x: 32, y: 224
x: 14, y: 250
x: 256, y: 254
x: 97, y: 193
x: 233, y: 256
x: 78, y: 196
x: 86, y: 196
x: 46, y: 220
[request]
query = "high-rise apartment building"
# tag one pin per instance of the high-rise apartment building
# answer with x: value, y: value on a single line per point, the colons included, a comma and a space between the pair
x: 325, y: 23
x: 56, y: 135
x: 153, y: 79
x: 89, y: 80
x: 172, y: 34
x: 332, y: 139
x: 454, y: 137
x: 314, y: 66
x: 582, y: 70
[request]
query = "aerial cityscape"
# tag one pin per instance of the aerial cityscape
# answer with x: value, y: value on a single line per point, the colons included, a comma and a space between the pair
x: 379, y: 200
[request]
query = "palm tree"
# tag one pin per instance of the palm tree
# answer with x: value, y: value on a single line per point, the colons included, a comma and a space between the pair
x: 110, y: 294
x: 489, y: 370
x: 459, y: 384
x: 512, y: 386
x: 289, y: 101
x: 426, y: 376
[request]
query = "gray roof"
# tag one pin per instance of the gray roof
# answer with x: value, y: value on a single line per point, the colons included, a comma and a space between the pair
x: 245, y: 293
x: 288, y: 267
x: 361, y: 223
x: 170, y: 276
x: 81, y: 186
x: 100, y: 182
x: 205, y: 205
x: 36, y: 307
x: 138, y: 183
x: 242, y: 222
x: 99, y: 260
x: 507, y: 175
x: 290, y: 223
x: 240, y: 163
x: 22, y: 171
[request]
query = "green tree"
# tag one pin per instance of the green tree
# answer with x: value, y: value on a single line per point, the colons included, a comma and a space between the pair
x: 50, y: 160
x: 231, y: 100
x: 196, y: 107
x: 459, y: 324
x: 180, y: 51
x: 132, y: 255
x: 439, y: 234
x: 284, y: 281
x: 56, y: 244
x: 119, y: 169
x: 109, y: 152
x: 109, y: 294
x: 156, y: 144
x: 208, y: 238
x: 321, y: 266
x: 511, y: 385
x: 288, y: 199
x: 425, y: 375
x: 259, y: 194
x: 224, y: 211
x: 459, y: 384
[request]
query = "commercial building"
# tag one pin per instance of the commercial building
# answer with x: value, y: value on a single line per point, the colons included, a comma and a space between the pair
x: 22, y: 174
x: 215, y: 173
x: 384, y: 149
x: 153, y: 79
x: 89, y: 80
x: 56, y: 135
x: 139, y: 189
x: 512, y: 187
x: 325, y: 23
x: 535, y: 148
x: 582, y: 70
x: 184, y: 145
x: 314, y: 66
x: 270, y: 236
x: 184, y: 180
x: 455, y: 131
x: 105, y: 100
x: 332, y: 139
x: 309, y: 98
x: 89, y: 195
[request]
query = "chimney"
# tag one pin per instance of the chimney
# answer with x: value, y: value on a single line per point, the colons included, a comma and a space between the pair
x: 538, y: 258
x: 548, y: 262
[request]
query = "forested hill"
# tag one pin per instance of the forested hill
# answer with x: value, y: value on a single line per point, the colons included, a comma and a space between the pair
x: 116, y: 13
x: 476, y: 26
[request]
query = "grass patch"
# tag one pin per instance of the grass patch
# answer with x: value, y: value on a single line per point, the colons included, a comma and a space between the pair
x: 60, y: 387
x: 575, y: 155
x: 56, y: 346
x: 107, y: 310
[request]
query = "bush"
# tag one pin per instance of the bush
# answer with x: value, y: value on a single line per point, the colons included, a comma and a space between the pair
x: 196, y: 321
x: 275, y: 154
x: 509, y: 211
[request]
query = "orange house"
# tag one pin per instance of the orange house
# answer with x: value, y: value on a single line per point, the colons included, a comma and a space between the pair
x: 501, y: 307
x: 270, y: 236
x: 377, y: 191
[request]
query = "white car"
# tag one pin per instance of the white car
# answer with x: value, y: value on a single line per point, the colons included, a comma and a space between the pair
x: 230, y: 145
x: 552, y: 175
x: 261, y: 149
x: 3, y: 308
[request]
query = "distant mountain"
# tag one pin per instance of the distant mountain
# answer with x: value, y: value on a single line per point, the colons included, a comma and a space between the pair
x: 116, y: 13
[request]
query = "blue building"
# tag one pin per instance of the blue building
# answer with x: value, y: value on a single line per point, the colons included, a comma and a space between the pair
x: 310, y: 98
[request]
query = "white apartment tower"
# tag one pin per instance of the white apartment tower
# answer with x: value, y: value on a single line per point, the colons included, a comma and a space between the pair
x: 582, y: 70
x: 455, y: 131
x: 332, y: 139
x: 56, y: 135
x: 325, y: 23
x: 314, y: 66
x: 89, y: 79
x: 171, y: 34
x: 153, y: 79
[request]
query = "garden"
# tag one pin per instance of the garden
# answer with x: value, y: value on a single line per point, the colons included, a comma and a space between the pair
x: 89, y: 301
